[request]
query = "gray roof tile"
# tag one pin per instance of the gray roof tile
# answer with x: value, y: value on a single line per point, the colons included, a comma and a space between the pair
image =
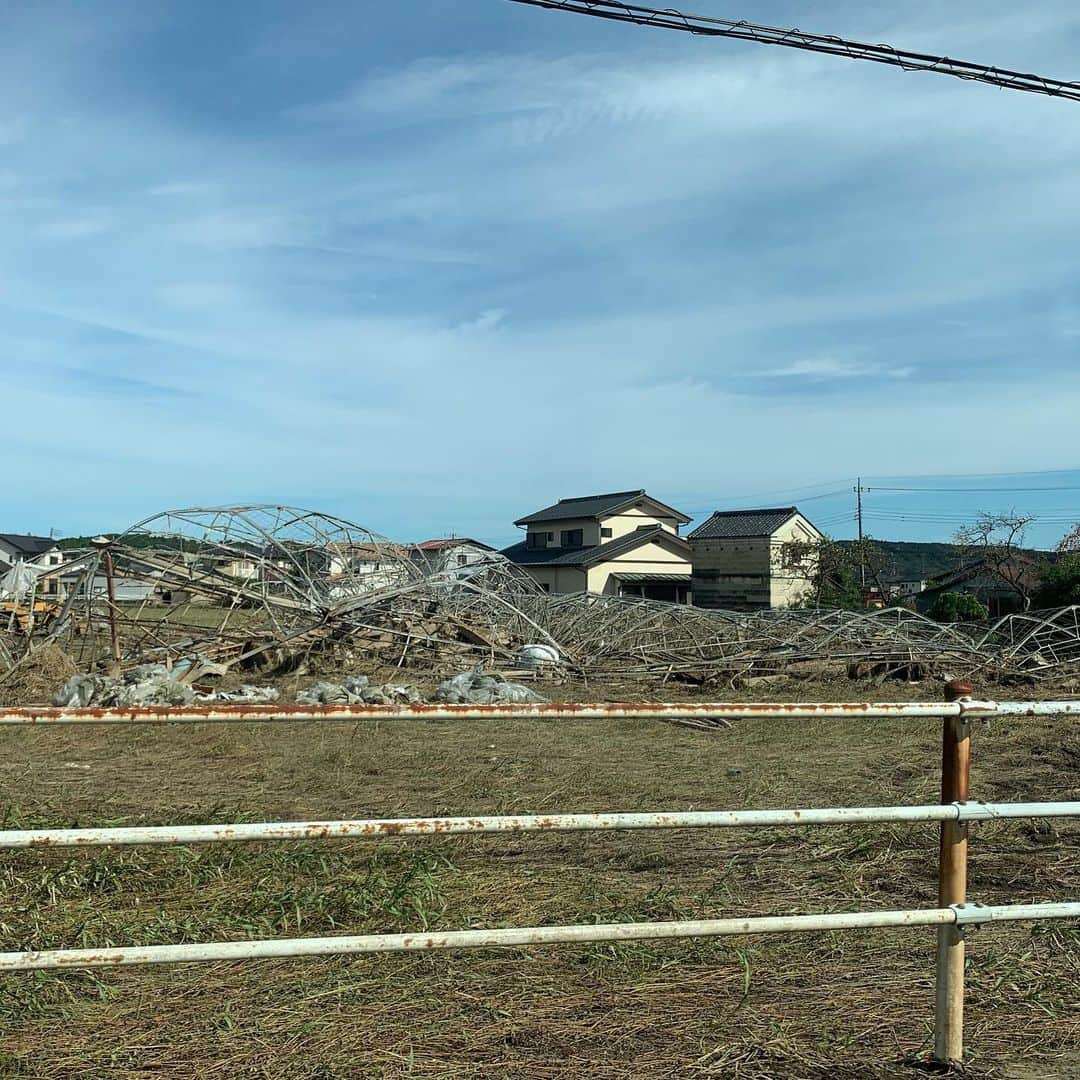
x: 732, y: 524
x: 589, y: 506
x: 28, y: 545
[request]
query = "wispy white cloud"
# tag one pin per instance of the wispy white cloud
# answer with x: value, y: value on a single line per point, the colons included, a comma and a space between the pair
x: 825, y: 368
x: 694, y: 239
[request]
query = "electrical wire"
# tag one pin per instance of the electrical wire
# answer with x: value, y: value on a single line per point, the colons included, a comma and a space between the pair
x: 979, y: 490
x: 671, y: 19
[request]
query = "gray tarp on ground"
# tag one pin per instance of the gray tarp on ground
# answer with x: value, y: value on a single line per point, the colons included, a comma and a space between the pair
x: 476, y: 688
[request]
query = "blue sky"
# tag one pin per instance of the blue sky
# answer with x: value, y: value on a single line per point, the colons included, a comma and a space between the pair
x: 430, y: 266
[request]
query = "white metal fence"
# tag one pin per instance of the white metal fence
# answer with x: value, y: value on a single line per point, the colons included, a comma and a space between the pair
x: 952, y: 915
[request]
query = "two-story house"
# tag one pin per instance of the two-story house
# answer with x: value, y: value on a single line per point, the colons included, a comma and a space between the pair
x: 748, y: 559
x: 624, y: 543
x: 449, y: 553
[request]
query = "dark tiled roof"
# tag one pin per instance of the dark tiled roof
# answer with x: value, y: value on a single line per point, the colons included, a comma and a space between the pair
x: 588, y: 556
x: 729, y: 524
x: 589, y: 506
x: 28, y: 545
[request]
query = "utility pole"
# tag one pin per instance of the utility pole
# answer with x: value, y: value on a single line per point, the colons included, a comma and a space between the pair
x: 858, y: 515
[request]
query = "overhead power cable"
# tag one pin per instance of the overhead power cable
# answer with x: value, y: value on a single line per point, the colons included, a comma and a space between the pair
x: 980, y: 490
x: 670, y: 19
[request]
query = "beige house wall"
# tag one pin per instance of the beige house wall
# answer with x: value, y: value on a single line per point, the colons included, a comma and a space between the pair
x: 629, y: 521
x: 651, y: 558
x: 558, y: 579
x: 791, y: 580
x: 589, y: 528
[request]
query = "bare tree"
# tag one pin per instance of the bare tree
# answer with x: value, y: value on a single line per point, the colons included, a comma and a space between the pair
x: 997, y: 541
x: 1070, y: 542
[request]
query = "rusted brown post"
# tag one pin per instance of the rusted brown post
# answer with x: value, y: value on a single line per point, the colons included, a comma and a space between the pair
x: 102, y: 543
x: 952, y: 881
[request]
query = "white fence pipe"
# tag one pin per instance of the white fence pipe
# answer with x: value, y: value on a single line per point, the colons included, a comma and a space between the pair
x: 1018, y: 708
x: 977, y: 914
x: 518, y: 936
x: 448, y: 826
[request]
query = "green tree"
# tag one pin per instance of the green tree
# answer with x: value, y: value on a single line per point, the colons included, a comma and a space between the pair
x: 835, y: 571
x: 958, y: 607
x: 1060, y: 584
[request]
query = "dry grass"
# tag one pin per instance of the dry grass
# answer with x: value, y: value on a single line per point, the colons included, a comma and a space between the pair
x: 819, y: 1006
x: 38, y: 677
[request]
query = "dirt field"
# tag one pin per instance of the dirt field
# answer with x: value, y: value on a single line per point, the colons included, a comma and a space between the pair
x: 813, y: 1006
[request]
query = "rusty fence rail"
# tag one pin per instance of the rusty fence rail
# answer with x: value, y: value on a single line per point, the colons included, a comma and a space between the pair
x: 233, y: 714
x: 954, y: 813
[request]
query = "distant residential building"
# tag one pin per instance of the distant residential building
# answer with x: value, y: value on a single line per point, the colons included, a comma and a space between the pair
x: 363, y: 567
x: 753, y: 559
x: 240, y: 567
x: 623, y: 543
x: 449, y: 553
x: 41, y: 553
x: 982, y: 581
x: 905, y: 591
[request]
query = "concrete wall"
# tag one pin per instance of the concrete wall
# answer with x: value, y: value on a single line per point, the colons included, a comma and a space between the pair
x: 731, y: 573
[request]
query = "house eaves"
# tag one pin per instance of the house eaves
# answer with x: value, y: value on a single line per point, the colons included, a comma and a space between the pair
x: 592, y: 556
x: 598, y: 506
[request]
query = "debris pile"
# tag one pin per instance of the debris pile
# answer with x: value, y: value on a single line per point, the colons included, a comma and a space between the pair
x: 263, y: 589
x: 357, y: 690
x: 152, y: 684
x: 476, y: 688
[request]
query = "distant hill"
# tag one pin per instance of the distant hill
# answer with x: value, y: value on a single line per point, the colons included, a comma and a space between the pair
x: 912, y: 561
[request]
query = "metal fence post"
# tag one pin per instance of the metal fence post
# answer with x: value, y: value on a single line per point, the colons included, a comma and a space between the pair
x: 952, y: 882
x: 102, y: 544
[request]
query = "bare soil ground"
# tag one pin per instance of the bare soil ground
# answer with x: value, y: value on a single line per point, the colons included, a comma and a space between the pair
x: 833, y: 1005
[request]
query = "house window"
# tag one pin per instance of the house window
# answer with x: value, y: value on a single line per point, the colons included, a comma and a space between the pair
x: 463, y: 560
x: 573, y: 537
x: 605, y: 533
x: 536, y: 540
x: 545, y: 586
